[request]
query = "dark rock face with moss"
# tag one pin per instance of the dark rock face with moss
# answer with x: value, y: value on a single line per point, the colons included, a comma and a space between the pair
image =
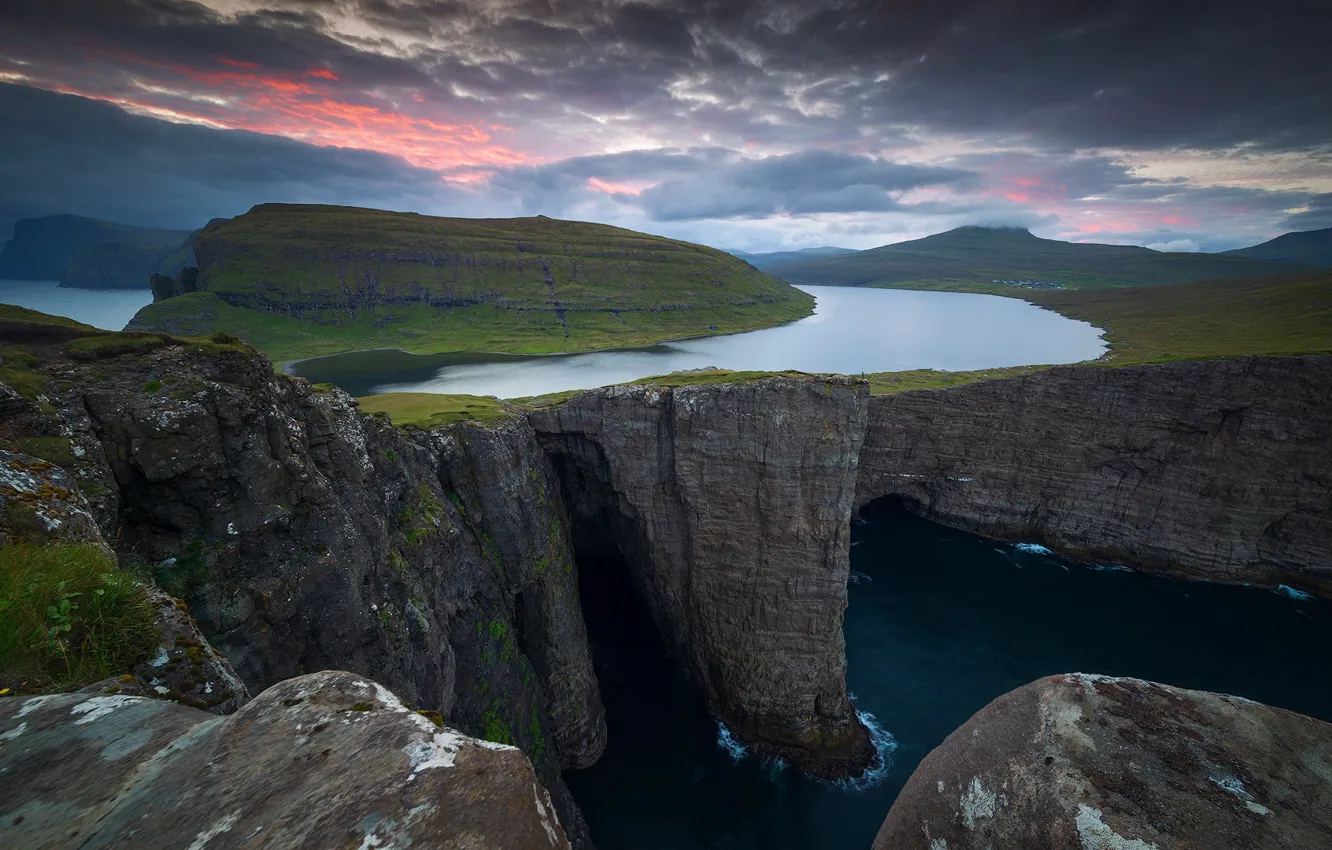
x: 1216, y: 469
x: 324, y: 760
x: 305, y: 535
x: 1079, y: 761
x: 731, y: 505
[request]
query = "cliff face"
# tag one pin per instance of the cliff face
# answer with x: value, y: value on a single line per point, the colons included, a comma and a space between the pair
x: 1219, y: 469
x: 306, y: 536
x: 731, y: 507
x: 88, y: 253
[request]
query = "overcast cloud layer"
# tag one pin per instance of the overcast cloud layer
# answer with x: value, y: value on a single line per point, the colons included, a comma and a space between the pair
x: 756, y: 125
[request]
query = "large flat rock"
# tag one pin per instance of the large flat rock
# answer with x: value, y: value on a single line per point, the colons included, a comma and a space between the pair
x: 329, y: 760
x: 1080, y: 762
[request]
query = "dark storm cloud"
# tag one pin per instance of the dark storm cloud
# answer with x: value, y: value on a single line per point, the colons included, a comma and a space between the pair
x: 799, y: 183
x: 62, y: 154
x: 700, y: 183
x: 1125, y: 73
x: 1316, y: 217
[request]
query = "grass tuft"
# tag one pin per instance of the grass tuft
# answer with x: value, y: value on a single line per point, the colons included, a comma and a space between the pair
x: 431, y: 410
x: 70, y: 616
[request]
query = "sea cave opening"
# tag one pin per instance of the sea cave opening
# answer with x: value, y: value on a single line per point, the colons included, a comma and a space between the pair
x: 939, y: 623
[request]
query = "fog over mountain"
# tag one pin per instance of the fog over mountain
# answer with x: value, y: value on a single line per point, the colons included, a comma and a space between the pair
x: 762, y: 126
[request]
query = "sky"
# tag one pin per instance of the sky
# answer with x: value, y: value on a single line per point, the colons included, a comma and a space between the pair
x: 763, y: 125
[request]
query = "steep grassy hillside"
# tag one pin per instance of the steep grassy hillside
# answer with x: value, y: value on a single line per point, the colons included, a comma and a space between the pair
x: 972, y: 259
x: 1313, y: 247
x: 88, y: 253
x: 299, y: 281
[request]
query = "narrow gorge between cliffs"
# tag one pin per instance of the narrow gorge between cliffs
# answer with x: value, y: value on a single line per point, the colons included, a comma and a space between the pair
x: 940, y: 622
x: 707, y: 530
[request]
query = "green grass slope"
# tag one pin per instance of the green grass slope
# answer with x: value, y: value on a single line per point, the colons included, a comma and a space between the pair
x: 1312, y: 247
x: 300, y: 281
x: 970, y: 259
x: 87, y: 253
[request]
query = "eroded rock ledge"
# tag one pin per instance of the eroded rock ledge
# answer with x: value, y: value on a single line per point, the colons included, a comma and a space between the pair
x: 307, y: 535
x: 1080, y: 761
x: 1214, y: 469
x: 731, y: 505
x: 324, y: 760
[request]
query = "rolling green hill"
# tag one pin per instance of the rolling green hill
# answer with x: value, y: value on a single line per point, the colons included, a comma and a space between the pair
x: 301, y: 281
x: 772, y: 259
x: 986, y: 259
x: 1313, y: 247
x: 89, y: 253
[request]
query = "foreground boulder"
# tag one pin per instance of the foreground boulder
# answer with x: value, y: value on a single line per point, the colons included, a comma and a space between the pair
x: 325, y: 760
x: 1097, y: 763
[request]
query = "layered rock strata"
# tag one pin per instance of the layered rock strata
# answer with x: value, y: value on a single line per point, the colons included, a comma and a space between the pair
x: 305, y: 535
x: 324, y: 760
x: 731, y: 506
x: 1081, y: 761
x: 1216, y: 469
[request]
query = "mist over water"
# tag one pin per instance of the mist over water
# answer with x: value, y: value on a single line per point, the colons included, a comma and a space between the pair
x: 108, y: 309
x: 852, y: 331
x: 940, y: 622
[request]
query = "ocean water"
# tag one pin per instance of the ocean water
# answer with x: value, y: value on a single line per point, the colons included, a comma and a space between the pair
x: 853, y: 330
x: 940, y: 623
x: 109, y: 309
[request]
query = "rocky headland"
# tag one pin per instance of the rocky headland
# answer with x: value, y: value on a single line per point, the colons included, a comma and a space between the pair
x: 323, y: 760
x: 307, y: 535
x: 1093, y: 762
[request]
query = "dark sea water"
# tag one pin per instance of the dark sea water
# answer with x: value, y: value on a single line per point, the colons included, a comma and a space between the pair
x: 853, y: 330
x: 940, y: 623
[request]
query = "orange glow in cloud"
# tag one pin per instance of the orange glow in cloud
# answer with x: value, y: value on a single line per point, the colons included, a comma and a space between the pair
x: 314, y: 106
x: 1017, y: 197
x: 612, y: 188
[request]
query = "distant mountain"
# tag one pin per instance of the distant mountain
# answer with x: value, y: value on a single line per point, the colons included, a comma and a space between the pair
x: 768, y: 260
x: 90, y: 253
x: 1313, y: 247
x: 981, y: 258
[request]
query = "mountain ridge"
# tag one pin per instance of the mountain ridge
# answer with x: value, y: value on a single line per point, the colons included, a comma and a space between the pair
x: 989, y: 259
x: 1300, y: 246
x: 91, y: 253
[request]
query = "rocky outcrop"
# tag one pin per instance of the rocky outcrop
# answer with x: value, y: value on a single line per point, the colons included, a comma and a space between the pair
x: 731, y: 506
x: 1077, y: 762
x: 1217, y: 469
x: 305, y: 535
x: 324, y: 760
x: 184, y: 669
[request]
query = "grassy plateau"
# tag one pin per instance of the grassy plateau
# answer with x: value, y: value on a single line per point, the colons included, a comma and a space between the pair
x: 302, y: 281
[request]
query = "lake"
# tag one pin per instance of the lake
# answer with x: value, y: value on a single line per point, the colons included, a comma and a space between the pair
x: 940, y: 622
x: 109, y: 309
x: 853, y: 330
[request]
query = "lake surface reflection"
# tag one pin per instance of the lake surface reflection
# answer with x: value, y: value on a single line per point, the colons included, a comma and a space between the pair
x: 108, y: 309
x: 852, y: 331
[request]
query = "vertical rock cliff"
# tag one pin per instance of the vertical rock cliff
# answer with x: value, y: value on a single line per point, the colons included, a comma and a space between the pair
x: 308, y: 536
x: 1218, y: 469
x: 731, y: 506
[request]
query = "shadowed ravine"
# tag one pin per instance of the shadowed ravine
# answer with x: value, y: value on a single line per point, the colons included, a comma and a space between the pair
x: 940, y: 623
